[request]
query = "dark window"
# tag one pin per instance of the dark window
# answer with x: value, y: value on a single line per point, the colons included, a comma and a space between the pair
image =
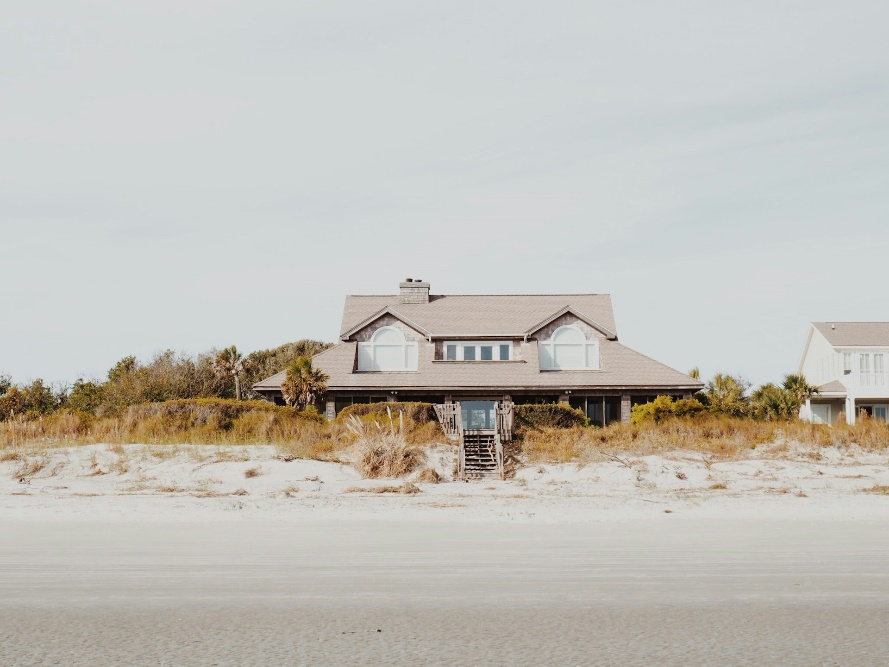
x: 504, y: 353
x: 451, y: 352
x: 487, y: 353
x: 469, y: 353
x: 612, y: 409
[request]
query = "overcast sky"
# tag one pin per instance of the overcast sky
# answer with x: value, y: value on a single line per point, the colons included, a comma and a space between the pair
x: 195, y: 174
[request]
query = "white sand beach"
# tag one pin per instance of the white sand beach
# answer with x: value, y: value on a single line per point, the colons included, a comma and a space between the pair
x: 173, y: 559
x: 202, y: 482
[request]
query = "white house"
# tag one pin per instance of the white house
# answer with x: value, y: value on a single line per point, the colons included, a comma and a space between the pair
x: 849, y: 363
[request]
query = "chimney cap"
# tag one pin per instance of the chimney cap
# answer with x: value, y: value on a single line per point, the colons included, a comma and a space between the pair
x: 408, y: 280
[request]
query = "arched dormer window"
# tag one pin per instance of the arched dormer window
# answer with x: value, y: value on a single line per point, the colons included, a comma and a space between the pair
x: 387, y: 350
x: 568, y: 349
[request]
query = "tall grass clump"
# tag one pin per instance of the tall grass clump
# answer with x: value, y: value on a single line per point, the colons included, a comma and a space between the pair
x: 196, y: 421
x: 718, y: 436
x: 381, y: 449
x: 420, y: 426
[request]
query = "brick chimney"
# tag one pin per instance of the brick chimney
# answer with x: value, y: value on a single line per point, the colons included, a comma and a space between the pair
x: 414, y: 290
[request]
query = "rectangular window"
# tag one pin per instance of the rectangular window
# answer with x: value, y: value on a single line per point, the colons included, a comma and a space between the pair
x: 820, y: 414
x: 864, y: 367
x: 847, y: 363
x: 476, y: 350
x: 389, y: 357
x: 569, y: 356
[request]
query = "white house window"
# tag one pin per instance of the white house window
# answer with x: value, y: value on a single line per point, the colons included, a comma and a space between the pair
x: 477, y: 350
x: 820, y: 414
x: 847, y: 363
x: 568, y: 349
x: 387, y: 350
x: 864, y: 367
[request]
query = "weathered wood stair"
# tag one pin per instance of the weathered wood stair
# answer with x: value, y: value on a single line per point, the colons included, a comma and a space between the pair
x: 480, y: 455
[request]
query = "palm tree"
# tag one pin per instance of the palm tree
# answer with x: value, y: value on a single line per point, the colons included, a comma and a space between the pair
x: 303, y: 385
x: 797, y: 385
x: 231, y: 362
x: 726, y: 394
x: 772, y: 402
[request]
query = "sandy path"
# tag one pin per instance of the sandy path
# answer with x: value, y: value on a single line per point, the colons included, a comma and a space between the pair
x: 666, y: 590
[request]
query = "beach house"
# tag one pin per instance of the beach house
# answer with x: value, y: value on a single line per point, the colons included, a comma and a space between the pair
x: 528, y: 348
x: 847, y: 361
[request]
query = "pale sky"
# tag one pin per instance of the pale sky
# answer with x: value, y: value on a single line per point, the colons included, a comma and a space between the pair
x: 195, y: 174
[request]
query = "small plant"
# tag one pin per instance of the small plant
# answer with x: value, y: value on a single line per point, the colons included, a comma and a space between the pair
x: 31, y: 466
x: 406, y: 489
x: 429, y: 476
x: 719, y: 486
x: 549, y: 415
x: 252, y: 472
x: 878, y: 489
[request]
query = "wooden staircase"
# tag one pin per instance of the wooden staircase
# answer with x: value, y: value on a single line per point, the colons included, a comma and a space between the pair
x: 480, y: 455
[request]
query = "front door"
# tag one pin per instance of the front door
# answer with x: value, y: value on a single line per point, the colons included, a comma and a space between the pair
x: 479, y: 415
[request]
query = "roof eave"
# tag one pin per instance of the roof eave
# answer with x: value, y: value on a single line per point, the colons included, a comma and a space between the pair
x: 388, y: 310
x: 610, y: 335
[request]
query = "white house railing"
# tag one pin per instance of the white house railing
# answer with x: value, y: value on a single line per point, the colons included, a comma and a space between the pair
x: 872, y: 379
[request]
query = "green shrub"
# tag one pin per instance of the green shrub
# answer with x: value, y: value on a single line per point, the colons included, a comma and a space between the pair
x: 664, y: 407
x: 419, y: 413
x: 549, y: 415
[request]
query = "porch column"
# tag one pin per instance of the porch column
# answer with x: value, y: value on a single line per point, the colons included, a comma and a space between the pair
x: 330, y: 409
x: 625, y: 406
x: 851, y: 417
x: 391, y: 398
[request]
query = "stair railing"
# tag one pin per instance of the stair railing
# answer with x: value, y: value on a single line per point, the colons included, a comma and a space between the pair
x: 498, y: 446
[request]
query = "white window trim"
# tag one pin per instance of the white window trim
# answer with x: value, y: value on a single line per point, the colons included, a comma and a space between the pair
x: 588, y: 345
x: 409, y: 352
x: 477, y: 344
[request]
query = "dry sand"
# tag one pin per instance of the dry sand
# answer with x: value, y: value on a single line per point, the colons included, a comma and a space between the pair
x: 152, y: 562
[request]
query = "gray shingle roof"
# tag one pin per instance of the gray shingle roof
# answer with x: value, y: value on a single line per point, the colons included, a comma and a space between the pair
x: 842, y: 334
x: 833, y: 387
x: 481, y: 315
x: 621, y: 367
x: 509, y: 316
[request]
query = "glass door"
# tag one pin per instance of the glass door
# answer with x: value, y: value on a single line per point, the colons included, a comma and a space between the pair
x: 479, y: 415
